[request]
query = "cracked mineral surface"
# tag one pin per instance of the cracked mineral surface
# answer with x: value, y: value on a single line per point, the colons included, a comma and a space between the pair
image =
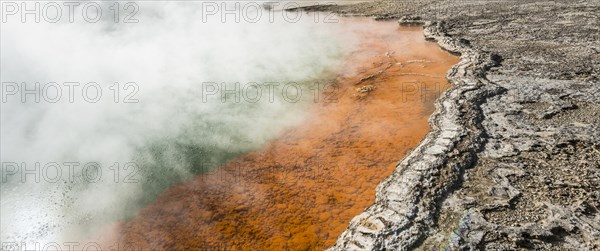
x: 513, y: 157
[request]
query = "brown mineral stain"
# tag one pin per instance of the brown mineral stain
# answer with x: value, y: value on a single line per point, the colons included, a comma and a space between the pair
x: 301, y: 191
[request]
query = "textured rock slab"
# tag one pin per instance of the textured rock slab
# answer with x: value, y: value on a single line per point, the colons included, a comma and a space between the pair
x: 513, y: 157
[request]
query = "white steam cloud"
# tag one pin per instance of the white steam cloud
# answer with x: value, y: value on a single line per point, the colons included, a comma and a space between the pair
x: 163, y: 121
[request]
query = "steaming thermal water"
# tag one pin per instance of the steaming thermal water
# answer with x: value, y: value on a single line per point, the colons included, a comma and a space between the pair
x: 170, y: 134
x: 300, y: 191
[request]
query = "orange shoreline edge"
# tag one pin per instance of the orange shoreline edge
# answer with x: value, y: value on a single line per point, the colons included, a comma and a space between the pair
x: 302, y: 189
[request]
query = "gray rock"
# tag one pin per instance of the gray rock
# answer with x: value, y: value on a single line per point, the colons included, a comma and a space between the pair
x: 513, y: 157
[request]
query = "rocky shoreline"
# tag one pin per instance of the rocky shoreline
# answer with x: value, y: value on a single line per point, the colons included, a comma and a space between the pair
x: 513, y: 157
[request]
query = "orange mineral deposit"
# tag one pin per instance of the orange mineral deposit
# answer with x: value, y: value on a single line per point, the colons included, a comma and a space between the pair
x: 302, y: 189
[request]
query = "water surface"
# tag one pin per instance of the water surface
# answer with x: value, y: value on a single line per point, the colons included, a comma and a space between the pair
x: 300, y: 191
